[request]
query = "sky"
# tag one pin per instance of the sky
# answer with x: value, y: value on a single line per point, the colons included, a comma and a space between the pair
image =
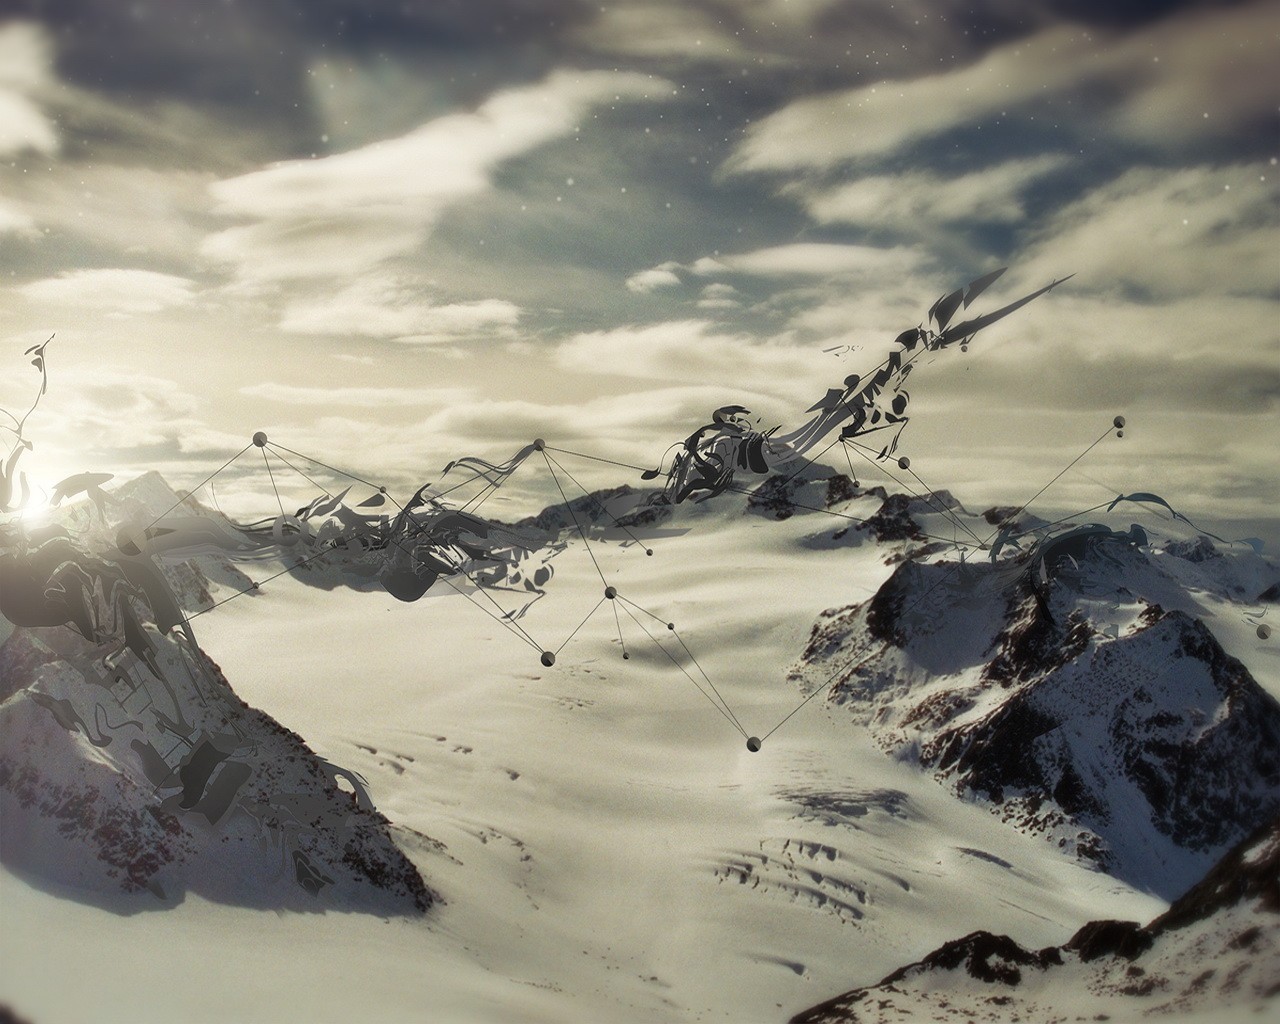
x: 393, y: 234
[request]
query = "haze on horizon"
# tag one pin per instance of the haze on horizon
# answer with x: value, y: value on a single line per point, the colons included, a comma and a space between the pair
x: 392, y: 235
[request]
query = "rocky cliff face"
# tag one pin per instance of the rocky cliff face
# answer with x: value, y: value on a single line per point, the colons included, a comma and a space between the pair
x: 129, y: 766
x: 1077, y: 707
x: 1217, y: 948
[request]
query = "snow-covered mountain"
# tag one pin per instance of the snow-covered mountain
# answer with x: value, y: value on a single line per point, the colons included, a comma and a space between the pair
x: 579, y: 803
x: 132, y: 765
x: 1215, y: 953
x: 1080, y: 696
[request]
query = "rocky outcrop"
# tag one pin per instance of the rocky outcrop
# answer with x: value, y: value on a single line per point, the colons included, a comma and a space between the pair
x: 1217, y: 946
x: 1073, y: 707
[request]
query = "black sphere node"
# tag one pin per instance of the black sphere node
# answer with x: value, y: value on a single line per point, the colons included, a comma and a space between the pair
x: 671, y: 625
x: 964, y: 348
x: 260, y: 439
x: 539, y: 444
x: 1264, y: 631
x: 753, y: 744
x: 382, y: 490
x: 1119, y: 433
x: 610, y: 592
x: 548, y: 659
x: 626, y: 656
x: 253, y: 586
x: 904, y: 463
x: 1118, y: 422
x: 648, y: 551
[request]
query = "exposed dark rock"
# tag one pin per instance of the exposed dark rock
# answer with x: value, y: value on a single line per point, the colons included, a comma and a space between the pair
x: 1242, y: 888
x: 892, y: 521
x: 1198, y: 550
x: 1109, y: 938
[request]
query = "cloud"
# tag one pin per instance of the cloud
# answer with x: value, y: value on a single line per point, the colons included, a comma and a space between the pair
x: 1166, y: 233
x: 393, y: 309
x: 657, y: 30
x: 124, y: 292
x: 696, y: 350
x: 661, y: 276
x: 16, y: 222
x: 1205, y: 74
x: 719, y: 296
x: 338, y: 216
x: 813, y: 259
x: 370, y: 398
x: 919, y: 201
x: 25, y: 68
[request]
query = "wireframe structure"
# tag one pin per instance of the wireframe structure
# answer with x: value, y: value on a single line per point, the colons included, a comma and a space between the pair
x: 136, y: 639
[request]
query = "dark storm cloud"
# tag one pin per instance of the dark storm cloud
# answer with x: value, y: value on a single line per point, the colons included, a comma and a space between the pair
x: 249, y: 61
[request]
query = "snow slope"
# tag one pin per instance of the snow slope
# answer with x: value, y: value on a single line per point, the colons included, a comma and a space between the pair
x: 1214, y: 955
x: 603, y: 844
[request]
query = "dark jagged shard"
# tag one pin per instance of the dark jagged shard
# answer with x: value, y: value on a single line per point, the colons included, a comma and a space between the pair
x: 706, y: 462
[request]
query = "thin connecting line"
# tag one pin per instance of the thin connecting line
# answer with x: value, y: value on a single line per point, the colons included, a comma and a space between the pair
x: 581, y: 532
x: 599, y: 503
x: 490, y: 598
x: 332, y: 469
x: 200, y: 484
x: 833, y: 678
x: 261, y: 583
x: 318, y: 486
x: 677, y: 664
x: 509, y: 625
x: 1074, y: 515
x: 845, y: 515
x: 273, y: 480
x: 579, y: 626
x: 1023, y: 507
x: 484, y: 494
x: 597, y: 458
x: 701, y: 670
x: 618, y: 621
x: 946, y: 513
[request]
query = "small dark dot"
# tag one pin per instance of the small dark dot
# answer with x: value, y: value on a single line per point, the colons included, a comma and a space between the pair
x: 610, y: 592
x: 904, y: 463
x: 648, y: 551
x: 548, y: 659
x: 671, y: 625
x: 1118, y: 422
x: 626, y: 656
x: 753, y: 744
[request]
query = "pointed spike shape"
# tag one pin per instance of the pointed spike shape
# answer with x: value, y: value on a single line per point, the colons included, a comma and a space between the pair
x: 946, y: 307
x: 980, y: 284
x: 968, y: 328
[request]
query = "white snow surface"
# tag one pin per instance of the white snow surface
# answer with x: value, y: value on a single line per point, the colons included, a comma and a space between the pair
x: 611, y: 850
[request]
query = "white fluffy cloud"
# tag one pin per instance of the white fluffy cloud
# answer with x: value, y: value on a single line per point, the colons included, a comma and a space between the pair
x: 361, y: 397
x: 112, y: 291
x: 25, y: 67
x: 919, y: 201
x: 646, y: 281
x: 1168, y: 233
x: 813, y: 259
x: 394, y: 309
x: 341, y: 215
x: 1207, y: 73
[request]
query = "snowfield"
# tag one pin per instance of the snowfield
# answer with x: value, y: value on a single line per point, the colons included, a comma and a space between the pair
x: 604, y: 846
